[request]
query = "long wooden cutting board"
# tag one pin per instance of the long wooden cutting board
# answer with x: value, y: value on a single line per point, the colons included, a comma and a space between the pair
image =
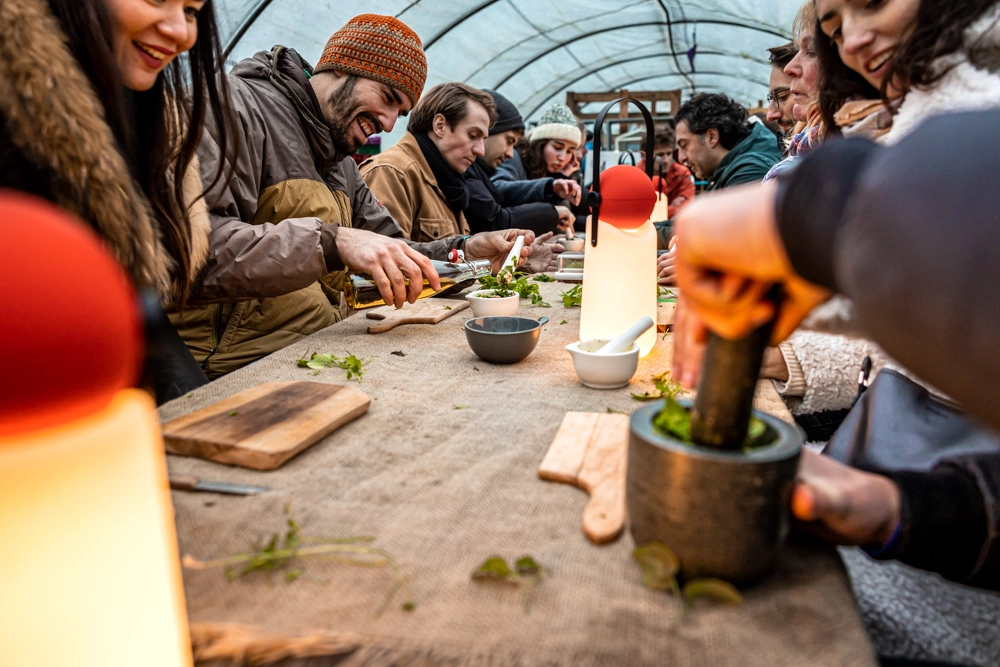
x: 425, y: 311
x: 263, y: 427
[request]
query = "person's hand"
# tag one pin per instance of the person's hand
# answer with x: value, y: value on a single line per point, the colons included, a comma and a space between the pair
x: 566, y: 218
x: 842, y: 504
x: 543, y: 255
x: 495, y: 246
x: 774, y: 366
x: 665, y: 265
x: 729, y: 254
x: 387, y: 260
x: 568, y: 189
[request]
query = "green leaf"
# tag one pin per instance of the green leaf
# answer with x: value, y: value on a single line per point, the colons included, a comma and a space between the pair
x: 447, y: 307
x: 612, y: 411
x: 233, y: 413
x: 563, y: 322
x: 717, y: 589
x: 526, y: 566
x: 674, y: 420
x: 757, y: 434
x: 572, y: 297
x: 544, y: 278
x: 462, y: 407
x: 495, y: 567
x: 316, y: 365
x: 190, y: 395
x: 292, y: 575
x: 647, y: 396
x: 409, y: 606
x: 659, y: 565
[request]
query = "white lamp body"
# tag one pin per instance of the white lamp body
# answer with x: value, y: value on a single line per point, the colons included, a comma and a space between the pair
x: 619, y: 283
x: 661, y: 209
x: 91, y: 575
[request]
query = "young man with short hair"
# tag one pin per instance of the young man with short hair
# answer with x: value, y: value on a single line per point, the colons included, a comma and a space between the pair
x: 488, y: 208
x: 717, y: 142
x: 678, y: 181
x: 420, y: 179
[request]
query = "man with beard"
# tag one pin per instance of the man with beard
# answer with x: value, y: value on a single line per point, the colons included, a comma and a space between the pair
x: 718, y: 143
x: 294, y: 209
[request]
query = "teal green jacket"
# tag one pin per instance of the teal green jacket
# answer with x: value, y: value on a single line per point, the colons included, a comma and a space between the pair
x: 749, y: 161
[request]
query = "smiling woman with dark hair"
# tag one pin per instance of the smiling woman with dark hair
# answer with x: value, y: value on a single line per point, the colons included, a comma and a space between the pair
x: 101, y: 116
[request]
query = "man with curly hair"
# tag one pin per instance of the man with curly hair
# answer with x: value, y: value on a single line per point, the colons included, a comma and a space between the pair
x: 719, y: 144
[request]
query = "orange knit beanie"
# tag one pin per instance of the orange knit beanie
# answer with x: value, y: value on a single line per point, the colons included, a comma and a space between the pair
x: 377, y: 47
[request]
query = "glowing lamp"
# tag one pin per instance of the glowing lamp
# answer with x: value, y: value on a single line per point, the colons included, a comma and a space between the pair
x: 91, y: 573
x: 661, y: 211
x: 619, y: 268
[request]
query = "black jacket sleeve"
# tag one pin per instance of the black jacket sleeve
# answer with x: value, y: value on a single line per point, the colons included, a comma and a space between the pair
x: 909, y: 233
x: 486, y: 211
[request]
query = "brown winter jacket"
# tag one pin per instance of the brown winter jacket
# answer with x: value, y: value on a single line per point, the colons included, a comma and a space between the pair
x: 274, y: 222
x: 403, y: 181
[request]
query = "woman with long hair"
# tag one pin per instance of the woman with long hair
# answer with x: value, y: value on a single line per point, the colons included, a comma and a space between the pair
x: 102, y: 117
x: 889, y: 66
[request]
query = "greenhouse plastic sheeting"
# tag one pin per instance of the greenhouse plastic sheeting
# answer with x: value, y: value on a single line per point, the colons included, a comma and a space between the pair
x: 535, y: 51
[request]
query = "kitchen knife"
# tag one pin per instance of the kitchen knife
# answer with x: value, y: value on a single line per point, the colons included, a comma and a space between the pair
x: 190, y: 483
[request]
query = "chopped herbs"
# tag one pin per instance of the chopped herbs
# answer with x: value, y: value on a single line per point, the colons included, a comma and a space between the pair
x: 572, y: 297
x: 350, y: 363
x: 525, y: 574
x: 544, y: 278
x: 509, y: 282
x: 665, y: 386
x: 665, y: 295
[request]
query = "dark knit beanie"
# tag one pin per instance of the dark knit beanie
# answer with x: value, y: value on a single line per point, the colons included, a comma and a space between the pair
x: 381, y: 48
x: 508, y: 117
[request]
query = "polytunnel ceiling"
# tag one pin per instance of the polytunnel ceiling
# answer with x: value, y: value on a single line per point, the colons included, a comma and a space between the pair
x: 535, y: 51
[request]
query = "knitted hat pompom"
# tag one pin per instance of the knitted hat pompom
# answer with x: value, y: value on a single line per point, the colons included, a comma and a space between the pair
x: 557, y: 122
x: 381, y: 48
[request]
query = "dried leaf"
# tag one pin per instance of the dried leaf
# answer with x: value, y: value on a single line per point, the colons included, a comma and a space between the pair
x: 717, y: 589
x: 399, y: 353
x: 659, y: 565
x: 462, y: 407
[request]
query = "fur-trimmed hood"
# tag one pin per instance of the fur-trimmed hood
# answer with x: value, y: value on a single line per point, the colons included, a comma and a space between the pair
x: 971, y: 83
x: 54, y: 118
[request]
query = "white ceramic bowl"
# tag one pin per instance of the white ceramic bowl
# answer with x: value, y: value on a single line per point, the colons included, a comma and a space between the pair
x: 486, y: 307
x: 571, y: 245
x: 600, y: 371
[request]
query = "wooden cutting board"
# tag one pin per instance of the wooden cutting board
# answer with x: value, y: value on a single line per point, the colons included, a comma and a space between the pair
x: 263, y: 427
x: 425, y: 311
x: 589, y: 451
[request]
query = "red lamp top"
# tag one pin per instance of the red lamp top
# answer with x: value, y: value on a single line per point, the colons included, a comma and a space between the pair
x: 71, y: 336
x: 627, y: 196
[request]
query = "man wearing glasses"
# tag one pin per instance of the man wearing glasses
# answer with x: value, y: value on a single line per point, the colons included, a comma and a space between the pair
x: 779, y: 96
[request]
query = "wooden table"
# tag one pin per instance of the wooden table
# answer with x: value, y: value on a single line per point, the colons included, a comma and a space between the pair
x: 443, y: 471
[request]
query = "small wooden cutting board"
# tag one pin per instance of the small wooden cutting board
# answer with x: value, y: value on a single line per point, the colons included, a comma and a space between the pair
x: 263, y: 427
x: 425, y: 311
x: 589, y: 451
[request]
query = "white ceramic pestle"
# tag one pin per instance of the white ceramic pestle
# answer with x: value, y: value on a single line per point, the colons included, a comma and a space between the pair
x: 515, y: 252
x: 624, y: 341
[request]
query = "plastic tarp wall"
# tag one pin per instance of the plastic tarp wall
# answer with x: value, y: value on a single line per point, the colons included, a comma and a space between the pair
x: 535, y: 51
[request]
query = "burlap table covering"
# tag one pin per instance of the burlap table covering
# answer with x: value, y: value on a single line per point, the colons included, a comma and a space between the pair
x: 445, y: 488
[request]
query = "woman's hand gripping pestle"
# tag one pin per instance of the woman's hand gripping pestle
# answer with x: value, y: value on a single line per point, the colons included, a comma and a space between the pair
x: 729, y: 372
x: 624, y: 340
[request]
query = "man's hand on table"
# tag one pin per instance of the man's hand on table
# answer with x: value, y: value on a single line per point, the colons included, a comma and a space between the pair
x: 387, y: 260
x: 665, y: 265
x: 495, y: 246
x: 544, y: 255
x: 842, y: 504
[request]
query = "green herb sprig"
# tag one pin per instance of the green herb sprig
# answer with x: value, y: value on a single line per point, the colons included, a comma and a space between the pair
x: 665, y: 386
x: 572, y: 297
x: 543, y: 278
x: 526, y: 574
x: 510, y: 281
x: 284, y: 553
x: 354, y: 366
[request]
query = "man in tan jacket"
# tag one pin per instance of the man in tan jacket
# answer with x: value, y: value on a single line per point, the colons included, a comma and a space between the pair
x: 295, y: 210
x: 420, y: 178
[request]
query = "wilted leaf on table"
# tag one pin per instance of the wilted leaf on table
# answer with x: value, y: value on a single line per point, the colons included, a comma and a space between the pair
x: 526, y: 566
x: 717, y: 589
x: 659, y: 565
x: 493, y: 568
x: 398, y: 353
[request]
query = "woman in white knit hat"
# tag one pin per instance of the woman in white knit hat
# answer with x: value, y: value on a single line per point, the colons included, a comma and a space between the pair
x: 536, y: 172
